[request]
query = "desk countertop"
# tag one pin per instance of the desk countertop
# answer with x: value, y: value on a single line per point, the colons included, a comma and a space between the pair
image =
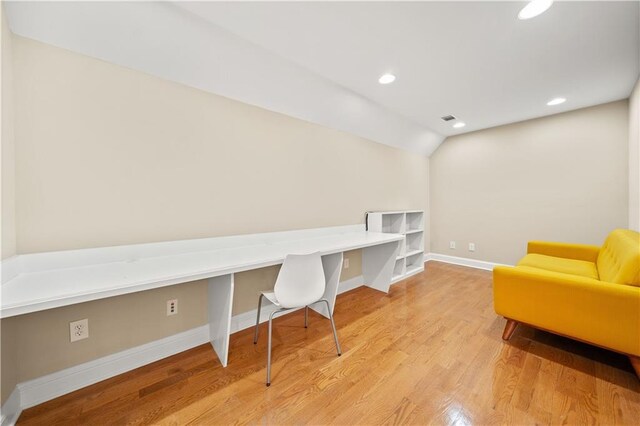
x: 32, y: 291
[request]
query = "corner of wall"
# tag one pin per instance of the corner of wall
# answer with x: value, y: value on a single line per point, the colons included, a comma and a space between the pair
x: 7, y: 151
x: 7, y: 203
x: 634, y: 158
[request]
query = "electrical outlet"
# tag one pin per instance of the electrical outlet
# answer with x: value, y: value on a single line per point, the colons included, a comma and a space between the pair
x: 345, y: 263
x: 172, y: 307
x: 472, y: 247
x: 452, y: 244
x: 79, y: 330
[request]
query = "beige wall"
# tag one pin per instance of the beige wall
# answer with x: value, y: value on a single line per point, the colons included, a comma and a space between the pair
x: 107, y: 156
x: 8, y: 355
x: 115, y: 324
x: 7, y: 152
x: 634, y: 158
x: 562, y: 178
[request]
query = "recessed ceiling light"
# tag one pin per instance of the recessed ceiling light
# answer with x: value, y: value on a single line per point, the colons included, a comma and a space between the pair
x: 556, y: 101
x: 386, y: 79
x: 459, y: 125
x: 534, y: 8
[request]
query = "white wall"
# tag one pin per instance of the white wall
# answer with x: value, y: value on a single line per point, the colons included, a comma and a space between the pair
x: 559, y: 178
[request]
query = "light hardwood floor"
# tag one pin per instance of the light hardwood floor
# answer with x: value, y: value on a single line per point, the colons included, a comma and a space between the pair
x: 429, y: 352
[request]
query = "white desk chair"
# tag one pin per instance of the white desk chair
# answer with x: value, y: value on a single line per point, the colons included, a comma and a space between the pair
x: 300, y: 283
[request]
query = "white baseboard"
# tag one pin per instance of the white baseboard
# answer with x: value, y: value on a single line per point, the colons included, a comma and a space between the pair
x: 42, y: 389
x: 53, y: 385
x: 248, y: 319
x: 11, y: 409
x: 350, y: 284
x: 462, y: 261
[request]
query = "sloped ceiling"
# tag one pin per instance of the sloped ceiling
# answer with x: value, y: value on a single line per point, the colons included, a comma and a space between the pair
x: 320, y: 61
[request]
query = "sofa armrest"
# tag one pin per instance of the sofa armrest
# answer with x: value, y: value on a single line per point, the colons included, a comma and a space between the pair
x: 598, y: 312
x: 564, y: 250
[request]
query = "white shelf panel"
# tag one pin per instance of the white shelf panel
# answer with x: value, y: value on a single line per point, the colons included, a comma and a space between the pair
x: 396, y: 212
x: 414, y: 271
x: 413, y: 231
x: 413, y: 253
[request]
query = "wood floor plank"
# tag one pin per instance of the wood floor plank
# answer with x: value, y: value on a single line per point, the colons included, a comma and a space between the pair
x: 429, y: 352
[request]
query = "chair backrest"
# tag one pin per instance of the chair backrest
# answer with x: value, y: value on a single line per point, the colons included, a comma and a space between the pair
x: 619, y: 258
x: 300, y: 281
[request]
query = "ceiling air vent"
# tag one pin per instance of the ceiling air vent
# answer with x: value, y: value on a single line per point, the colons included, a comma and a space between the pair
x: 448, y: 117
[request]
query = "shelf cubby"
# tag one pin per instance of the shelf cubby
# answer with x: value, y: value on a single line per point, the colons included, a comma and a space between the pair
x: 414, y: 221
x: 393, y: 223
x: 414, y: 263
x: 414, y: 241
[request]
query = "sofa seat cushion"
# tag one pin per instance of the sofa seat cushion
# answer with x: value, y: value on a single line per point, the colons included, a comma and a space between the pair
x: 557, y: 264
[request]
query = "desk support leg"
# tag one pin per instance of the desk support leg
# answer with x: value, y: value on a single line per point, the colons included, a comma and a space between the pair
x: 332, y: 265
x: 377, y: 265
x: 220, y: 303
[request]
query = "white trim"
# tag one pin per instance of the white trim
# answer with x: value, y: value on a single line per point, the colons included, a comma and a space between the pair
x: 462, y: 261
x: 53, y: 385
x: 11, y: 409
x: 248, y: 319
x: 350, y: 284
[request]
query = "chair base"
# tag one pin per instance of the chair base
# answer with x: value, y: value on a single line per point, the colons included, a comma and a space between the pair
x: 509, y: 328
x: 511, y: 325
x: 306, y: 322
x: 635, y: 363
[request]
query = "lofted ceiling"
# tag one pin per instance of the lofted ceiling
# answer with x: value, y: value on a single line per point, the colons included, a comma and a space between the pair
x: 320, y: 61
x: 474, y: 60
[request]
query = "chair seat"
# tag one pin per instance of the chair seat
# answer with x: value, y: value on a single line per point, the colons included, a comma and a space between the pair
x: 271, y: 296
x: 557, y: 264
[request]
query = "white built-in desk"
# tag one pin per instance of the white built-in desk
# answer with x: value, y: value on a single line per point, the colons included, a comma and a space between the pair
x: 40, y: 281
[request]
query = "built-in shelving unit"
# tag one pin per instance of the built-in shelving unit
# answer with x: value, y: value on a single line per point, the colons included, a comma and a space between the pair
x: 409, y: 223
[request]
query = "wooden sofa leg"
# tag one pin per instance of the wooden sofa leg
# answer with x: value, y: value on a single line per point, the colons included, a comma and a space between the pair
x: 509, y: 328
x: 635, y: 362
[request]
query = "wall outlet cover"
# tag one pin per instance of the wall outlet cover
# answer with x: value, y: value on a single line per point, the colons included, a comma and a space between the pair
x: 172, y: 307
x: 452, y: 244
x: 345, y: 263
x: 472, y: 247
x: 79, y: 330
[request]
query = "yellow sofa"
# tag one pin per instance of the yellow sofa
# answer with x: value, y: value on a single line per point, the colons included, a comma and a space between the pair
x: 587, y: 293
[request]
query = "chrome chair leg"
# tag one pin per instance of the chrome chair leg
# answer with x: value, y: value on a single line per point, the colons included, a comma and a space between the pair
x: 333, y: 326
x: 306, y: 316
x: 255, y: 336
x: 269, y: 348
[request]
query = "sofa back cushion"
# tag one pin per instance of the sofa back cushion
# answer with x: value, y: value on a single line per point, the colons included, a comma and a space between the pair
x: 619, y: 258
